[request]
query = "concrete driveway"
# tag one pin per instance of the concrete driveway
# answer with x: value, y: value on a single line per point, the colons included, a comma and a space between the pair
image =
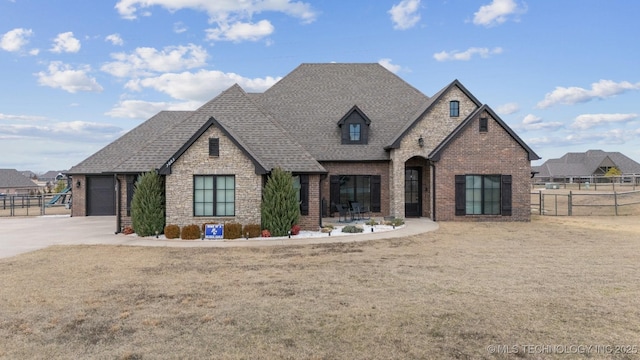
x: 24, y: 234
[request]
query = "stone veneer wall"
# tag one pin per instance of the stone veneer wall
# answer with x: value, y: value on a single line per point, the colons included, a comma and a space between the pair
x: 360, y: 168
x: 196, y: 161
x: 433, y: 127
x: 489, y: 153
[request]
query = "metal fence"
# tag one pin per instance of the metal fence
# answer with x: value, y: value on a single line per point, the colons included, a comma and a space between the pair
x: 35, y: 205
x: 561, y: 203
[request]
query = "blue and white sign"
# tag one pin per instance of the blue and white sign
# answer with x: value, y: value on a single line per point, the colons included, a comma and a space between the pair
x: 213, y: 231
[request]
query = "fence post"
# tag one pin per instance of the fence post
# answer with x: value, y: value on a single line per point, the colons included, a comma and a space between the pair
x: 570, y: 199
x: 556, y: 204
x: 541, y: 202
x: 42, y: 207
x: 615, y: 201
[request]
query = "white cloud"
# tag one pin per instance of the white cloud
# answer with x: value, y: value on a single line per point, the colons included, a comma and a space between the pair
x: 199, y: 86
x: 508, y: 109
x: 65, y: 42
x: 467, y: 54
x: 532, y: 123
x: 138, y: 109
x: 14, y: 40
x: 21, y: 117
x: 63, y: 76
x: 404, y: 15
x: 115, y: 39
x: 179, y: 27
x: 386, y: 63
x: 222, y: 10
x: 496, y: 12
x: 73, y: 130
x: 240, y: 31
x: 572, y: 95
x: 149, y: 61
x: 587, y: 121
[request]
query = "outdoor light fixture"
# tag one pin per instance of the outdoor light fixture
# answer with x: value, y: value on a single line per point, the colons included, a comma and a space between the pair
x: 78, y: 184
x: 421, y: 141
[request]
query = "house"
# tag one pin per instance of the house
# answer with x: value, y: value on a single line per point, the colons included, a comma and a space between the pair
x: 584, y: 166
x: 347, y: 132
x: 13, y: 182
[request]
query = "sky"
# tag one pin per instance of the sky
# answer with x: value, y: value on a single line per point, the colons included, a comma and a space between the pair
x: 75, y: 74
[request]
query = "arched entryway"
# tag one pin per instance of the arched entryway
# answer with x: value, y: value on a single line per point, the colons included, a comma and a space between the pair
x: 417, y: 180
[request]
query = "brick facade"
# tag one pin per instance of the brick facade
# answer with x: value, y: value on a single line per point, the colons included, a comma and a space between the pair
x: 360, y: 168
x: 493, y: 152
x: 79, y: 196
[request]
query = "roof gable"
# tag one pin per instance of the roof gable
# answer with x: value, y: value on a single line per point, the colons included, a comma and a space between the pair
x: 587, y: 163
x: 264, y: 142
x: 355, y: 109
x: 437, y: 152
x: 425, y: 108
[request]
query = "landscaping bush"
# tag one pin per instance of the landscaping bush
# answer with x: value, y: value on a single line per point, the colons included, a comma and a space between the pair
x: 280, y: 208
x: 172, y: 231
x: 147, y: 206
x: 295, y: 229
x: 372, y: 222
x: 252, y: 229
x: 352, y: 229
x: 128, y: 230
x: 190, y: 232
x: 265, y: 233
x: 232, y: 230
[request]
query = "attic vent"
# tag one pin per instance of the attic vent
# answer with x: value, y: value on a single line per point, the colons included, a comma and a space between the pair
x: 484, y: 125
x: 214, y: 147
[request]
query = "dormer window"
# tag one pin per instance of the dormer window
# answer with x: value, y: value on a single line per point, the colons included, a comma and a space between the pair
x: 354, y: 127
x: 454, y: 108
x: 354, y: 132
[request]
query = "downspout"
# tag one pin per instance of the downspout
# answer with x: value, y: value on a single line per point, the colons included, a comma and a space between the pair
x: 117, y: 181
x: 433, y: 190
x: 322, y: 177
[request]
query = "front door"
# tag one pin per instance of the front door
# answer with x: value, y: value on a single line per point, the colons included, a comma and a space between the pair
x: 412, y: 191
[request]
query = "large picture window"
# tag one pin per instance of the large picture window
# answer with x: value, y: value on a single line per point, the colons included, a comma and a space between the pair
x: 214, y: 195
x: 483, y: 195
x: 363, y: 189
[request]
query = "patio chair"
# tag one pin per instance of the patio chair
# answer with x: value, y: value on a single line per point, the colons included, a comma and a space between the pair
x: 343, y: 212
x: 359, y: 212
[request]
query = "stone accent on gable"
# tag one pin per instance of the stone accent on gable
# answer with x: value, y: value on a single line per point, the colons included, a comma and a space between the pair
x: 493, y: 152
x: 196, y: 161
x: 434, y: 126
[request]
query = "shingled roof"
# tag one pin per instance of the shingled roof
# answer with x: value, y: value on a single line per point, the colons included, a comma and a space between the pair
x: 262, y: 139
x: 310, y: 100
x: 586, y: 164
x: 145, y: 147
x: 12, y: 178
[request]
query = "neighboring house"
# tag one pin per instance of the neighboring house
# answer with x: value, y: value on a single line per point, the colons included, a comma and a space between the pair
x: 52, y: 176
x: 585, y: 166
x: 347, y: 132
x: 13, y: 182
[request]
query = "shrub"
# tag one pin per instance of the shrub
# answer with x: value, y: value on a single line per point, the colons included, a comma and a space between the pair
x: 128, y: 230
x: 172, y: 231
x: 327, y: 229
x: 397, y: 222
x: 190, y: 232
x: 280, y: 208
x: 252, y: 229
x: 295, y: 229
x: 265, y: 233
x: 147, y: 206
x: 232, y: 230
x: 352, y: 229
x: 372, y: 222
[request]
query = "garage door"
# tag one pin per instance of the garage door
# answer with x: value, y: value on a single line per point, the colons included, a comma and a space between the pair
x: 101, y: 199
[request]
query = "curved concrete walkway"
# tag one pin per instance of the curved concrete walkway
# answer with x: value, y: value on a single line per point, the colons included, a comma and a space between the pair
x: 24, y: 234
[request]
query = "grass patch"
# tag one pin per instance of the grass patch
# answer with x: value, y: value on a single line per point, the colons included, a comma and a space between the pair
x: 446, y: 294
